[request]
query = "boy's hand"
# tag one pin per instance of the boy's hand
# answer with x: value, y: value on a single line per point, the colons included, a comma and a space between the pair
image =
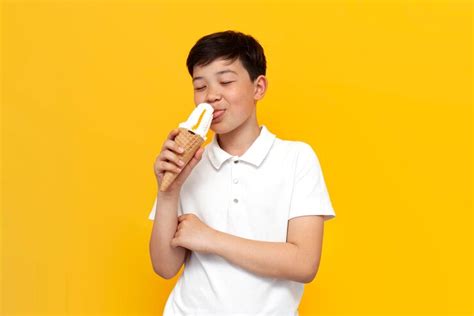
x: 193, y: 234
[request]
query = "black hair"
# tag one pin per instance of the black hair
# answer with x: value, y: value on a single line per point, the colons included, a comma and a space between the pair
x: 228, y: 45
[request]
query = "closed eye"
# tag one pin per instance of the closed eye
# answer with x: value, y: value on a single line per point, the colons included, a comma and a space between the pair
x: 224, y: 83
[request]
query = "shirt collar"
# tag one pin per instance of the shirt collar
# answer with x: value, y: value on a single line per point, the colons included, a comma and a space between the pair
x: 254, y: 154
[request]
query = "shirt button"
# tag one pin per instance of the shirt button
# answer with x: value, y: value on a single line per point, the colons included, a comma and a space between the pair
x: 236, y: 201
x: 236, y: 180
x: 236, y: 161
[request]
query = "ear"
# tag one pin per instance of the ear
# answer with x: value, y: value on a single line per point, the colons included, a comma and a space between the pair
x: 260, y: 84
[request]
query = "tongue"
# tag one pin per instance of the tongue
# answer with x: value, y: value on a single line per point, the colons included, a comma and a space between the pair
x: 216, y: 113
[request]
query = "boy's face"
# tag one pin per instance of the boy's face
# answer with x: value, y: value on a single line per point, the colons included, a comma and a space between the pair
x: 227, y: 87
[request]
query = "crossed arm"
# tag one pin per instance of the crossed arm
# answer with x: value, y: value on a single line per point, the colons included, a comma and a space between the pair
x: 297, y: 259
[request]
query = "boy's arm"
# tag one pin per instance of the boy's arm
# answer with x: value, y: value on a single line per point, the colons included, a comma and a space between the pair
x: 166, y: 260
x: 296, y: 260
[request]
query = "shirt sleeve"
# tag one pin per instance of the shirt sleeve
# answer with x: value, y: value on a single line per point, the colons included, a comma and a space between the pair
x: 309, y: 195
x: 151, y: 216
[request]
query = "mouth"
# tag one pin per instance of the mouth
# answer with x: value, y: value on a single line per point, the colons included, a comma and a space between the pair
x: 217, y: 114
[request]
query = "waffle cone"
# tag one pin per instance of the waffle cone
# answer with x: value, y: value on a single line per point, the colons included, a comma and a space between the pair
x: 191, y: 143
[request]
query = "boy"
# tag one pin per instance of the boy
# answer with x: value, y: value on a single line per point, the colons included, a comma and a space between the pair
x: 248, y: 220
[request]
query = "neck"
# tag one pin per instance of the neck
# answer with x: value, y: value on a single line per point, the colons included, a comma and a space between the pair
x: 239, y: 140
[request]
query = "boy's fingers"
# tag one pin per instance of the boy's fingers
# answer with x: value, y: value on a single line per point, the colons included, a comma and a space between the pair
x: 173, y: 243
x: 173, y: 133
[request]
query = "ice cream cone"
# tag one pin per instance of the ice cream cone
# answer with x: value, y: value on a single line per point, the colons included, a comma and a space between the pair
x: 192, y: 133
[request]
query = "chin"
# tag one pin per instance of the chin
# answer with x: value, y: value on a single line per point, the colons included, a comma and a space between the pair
x: 224, y: 127
x: 217, y: 130
x: 217, y: 126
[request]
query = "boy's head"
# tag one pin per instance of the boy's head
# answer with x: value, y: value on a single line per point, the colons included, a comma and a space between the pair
x: 228, y: 70
x: 228, y: 45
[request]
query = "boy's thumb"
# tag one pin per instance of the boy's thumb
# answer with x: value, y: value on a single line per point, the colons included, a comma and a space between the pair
x: 197, y: 156
x: 194, y: 160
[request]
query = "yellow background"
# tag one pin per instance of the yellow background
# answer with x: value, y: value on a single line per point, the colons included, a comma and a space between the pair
x: 382, y: 90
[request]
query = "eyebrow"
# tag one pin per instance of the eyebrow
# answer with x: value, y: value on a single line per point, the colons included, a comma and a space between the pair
x: 217, y: 73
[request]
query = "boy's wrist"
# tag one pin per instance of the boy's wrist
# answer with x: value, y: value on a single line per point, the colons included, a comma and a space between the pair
x: 214, y: 245
x: 168, y: 195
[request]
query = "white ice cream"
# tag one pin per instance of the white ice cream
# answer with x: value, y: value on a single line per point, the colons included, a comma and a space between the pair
x: 204, y: 112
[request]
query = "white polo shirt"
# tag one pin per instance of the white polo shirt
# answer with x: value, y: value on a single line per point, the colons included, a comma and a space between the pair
x: 252, y: 196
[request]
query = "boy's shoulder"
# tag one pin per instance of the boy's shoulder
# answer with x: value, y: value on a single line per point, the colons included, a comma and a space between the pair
x: 294, y: 146
x: 297, y: 152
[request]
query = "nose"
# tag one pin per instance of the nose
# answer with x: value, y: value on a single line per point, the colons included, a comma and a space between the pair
x: 212, y: 95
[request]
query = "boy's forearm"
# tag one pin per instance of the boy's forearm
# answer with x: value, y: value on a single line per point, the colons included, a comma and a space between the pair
x: 166, y: 260
x: 270, y: 259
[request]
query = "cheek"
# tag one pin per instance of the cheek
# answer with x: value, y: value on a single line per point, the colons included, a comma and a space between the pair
x: 197, y: 98
x: 239, y: 96
x: 232, y: 94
